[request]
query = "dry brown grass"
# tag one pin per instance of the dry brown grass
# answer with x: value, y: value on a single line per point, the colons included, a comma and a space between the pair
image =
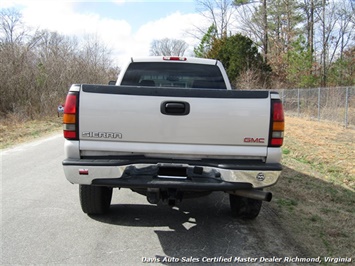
x: 328, y: 147
x: 315, y: 196
x: 14, y: 130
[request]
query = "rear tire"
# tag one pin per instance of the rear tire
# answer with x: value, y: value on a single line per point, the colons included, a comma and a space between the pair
x: 244, y: 208
x: 94, y: 199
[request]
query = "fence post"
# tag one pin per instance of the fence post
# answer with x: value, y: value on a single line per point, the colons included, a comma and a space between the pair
x: 346, y: 107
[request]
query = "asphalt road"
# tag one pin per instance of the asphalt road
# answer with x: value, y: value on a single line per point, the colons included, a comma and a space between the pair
x: 42, y: 222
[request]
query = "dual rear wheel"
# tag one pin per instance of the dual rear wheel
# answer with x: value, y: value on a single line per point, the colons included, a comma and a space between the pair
x: 95, y: 199
x: 244, y: 208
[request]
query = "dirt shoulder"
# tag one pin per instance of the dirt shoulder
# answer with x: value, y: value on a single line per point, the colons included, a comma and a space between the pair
x: 14, y: 131
x: 315, y: 196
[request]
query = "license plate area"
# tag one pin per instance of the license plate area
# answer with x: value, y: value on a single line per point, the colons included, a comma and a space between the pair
x: 172, y: 172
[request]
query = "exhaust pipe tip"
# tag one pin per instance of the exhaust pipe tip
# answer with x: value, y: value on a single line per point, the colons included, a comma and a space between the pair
x: 268, y: 196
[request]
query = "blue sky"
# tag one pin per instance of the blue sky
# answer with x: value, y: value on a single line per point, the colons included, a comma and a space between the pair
x: 124, y: 26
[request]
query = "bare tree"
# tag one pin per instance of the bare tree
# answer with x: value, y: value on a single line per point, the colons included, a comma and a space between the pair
x: 253, y: 20
x: 219, y: 13
x: 37, y: 67
x: 168, y: 47
x: 247, y: 24
x: 11, y: 26
x: 337, y: 31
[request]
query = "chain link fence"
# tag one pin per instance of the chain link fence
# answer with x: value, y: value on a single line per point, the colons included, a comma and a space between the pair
x: 332, y: 104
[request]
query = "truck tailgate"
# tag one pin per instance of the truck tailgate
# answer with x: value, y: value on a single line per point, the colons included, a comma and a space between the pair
x: 119, y: 118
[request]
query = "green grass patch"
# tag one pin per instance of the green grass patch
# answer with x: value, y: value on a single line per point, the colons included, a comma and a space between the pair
x: 285, y: 151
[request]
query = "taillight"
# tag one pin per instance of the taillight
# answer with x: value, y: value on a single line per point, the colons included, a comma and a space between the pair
x: 70, y: 123
x: 277, y: 124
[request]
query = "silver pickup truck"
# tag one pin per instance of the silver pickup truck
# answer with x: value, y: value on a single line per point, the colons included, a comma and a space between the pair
x: 172, y: 128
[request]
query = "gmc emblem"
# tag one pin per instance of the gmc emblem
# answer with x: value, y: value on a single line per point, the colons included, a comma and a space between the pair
x: 254, y: 140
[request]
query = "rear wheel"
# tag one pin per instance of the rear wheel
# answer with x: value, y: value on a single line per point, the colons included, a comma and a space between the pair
x: 94, y: 199
x: 245, y: 208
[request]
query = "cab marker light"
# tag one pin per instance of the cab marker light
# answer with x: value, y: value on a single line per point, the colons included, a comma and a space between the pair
x: 174, y: 58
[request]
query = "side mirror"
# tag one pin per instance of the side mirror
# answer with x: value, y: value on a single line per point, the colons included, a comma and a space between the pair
x: 60, y: 109
x: 112, y: 82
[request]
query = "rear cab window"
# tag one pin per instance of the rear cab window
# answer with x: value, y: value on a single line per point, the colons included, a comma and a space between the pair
x: 177, y: 75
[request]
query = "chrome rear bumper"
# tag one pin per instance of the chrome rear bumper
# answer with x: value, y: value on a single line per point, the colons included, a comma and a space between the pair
x: 201, y: 176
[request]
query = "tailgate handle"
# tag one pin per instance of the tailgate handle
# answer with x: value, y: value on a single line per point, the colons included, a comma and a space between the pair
x: 175, y: 108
